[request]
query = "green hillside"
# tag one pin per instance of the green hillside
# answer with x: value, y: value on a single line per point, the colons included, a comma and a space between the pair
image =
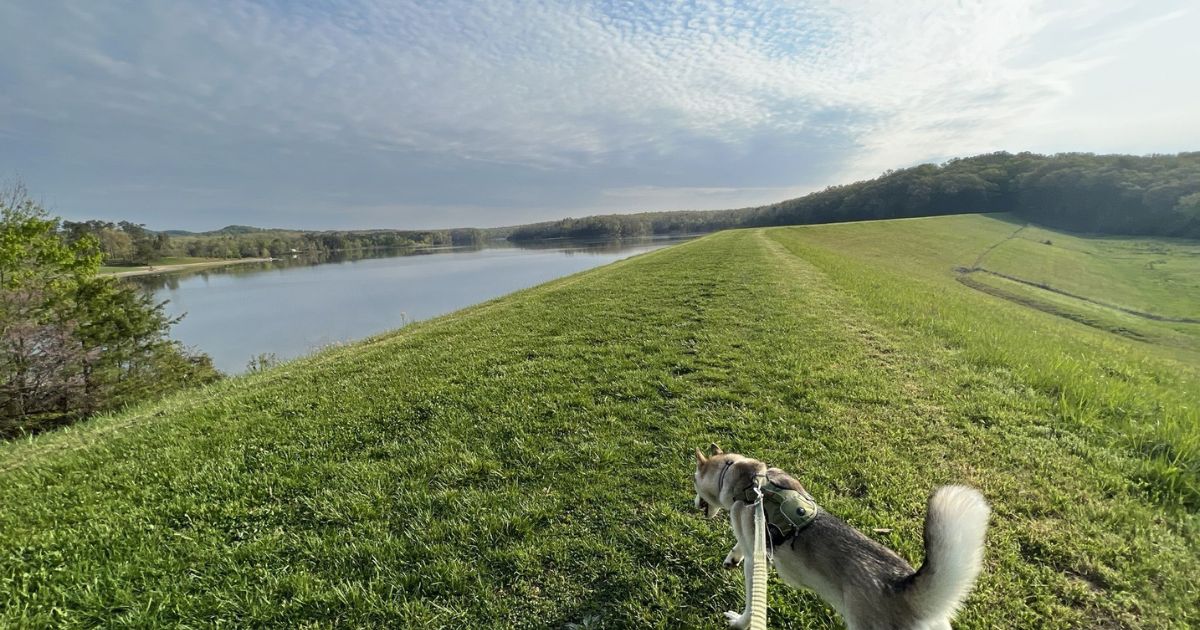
x: 526, y: 462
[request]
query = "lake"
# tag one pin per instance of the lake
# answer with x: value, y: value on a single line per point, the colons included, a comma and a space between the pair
x: 291, y: 307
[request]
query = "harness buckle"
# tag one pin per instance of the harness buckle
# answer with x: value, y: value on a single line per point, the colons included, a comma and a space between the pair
x: 760, y: 479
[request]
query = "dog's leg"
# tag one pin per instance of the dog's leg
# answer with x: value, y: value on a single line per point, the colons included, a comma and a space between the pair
x: 734, y: 557
x: 741, y: 517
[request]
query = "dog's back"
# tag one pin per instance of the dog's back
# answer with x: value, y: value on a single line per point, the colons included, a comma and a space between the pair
x: 873, y: 587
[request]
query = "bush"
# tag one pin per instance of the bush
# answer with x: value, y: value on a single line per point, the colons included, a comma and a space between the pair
x: 262, y: 362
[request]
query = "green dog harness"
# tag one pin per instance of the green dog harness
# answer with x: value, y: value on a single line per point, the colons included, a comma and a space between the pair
x: 788, y: 511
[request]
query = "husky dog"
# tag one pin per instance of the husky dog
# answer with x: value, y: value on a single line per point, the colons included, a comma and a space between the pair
x: 870, y: 586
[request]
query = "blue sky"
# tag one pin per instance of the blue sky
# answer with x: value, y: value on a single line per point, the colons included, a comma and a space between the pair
x: 365, y: 113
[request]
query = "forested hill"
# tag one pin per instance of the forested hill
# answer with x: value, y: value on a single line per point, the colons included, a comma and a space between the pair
x: 1108, y: 194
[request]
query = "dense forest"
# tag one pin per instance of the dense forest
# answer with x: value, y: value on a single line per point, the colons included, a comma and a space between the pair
x: 1108, y: 194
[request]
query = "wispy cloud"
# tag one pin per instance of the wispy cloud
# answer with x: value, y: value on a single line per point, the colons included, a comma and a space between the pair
x: 648, y: 103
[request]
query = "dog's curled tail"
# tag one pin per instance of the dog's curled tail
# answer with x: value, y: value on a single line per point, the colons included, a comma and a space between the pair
x: 954, y: 530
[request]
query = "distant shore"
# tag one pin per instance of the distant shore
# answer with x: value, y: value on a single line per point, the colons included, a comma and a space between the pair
x: 153, y: 269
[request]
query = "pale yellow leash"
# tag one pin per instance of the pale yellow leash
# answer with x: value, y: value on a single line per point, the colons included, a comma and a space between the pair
x: 758, y: 586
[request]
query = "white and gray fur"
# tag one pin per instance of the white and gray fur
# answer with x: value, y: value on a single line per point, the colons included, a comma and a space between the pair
x: 870, y: 586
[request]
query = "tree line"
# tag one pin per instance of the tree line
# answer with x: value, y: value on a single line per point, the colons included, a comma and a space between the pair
x: 241, y: 242
x: 126, y: 243
x: 121, y: 243
x: 1156, y: 195
x: 631, y: 225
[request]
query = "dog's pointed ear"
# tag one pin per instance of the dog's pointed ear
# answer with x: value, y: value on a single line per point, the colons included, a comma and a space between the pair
x: 713, y: 449
x: 700, y: 458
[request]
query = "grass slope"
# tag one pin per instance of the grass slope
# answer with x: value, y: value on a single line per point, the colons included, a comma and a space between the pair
x: 1158, y: 276
x: 525, y: 463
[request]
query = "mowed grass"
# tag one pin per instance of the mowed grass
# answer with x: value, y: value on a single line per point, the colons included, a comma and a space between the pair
x: 1156, y: 276
x: 1143, y: 394
x: 1180, y: 339
x: 526, y: 462
x: 1144, y: 289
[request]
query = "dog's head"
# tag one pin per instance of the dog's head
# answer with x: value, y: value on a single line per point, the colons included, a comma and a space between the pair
x: 707, y: 479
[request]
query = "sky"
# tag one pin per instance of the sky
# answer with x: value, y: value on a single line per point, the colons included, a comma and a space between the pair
x: 344, y: 114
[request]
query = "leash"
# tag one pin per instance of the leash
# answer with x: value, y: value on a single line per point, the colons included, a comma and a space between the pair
x: 758, y: 583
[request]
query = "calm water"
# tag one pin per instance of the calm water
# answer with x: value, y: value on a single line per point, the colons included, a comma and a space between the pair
x: 293, y: 307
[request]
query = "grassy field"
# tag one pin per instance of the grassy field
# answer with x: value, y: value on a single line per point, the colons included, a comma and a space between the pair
x: 526, y: 462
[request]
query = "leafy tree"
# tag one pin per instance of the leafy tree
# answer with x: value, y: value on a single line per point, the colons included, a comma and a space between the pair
x: 116, y: 244
x: 147, y: 246
x: 39, y: 359
x: 72, y: 342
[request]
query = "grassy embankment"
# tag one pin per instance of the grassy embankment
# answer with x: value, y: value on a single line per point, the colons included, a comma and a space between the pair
x: 526, y: 462
x: 1144, y: 289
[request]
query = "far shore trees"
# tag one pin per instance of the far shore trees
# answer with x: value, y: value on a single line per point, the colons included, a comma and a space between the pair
x: 122, y: 243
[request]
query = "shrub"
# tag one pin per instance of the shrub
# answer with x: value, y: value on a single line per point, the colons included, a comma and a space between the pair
x: 73, y: 343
